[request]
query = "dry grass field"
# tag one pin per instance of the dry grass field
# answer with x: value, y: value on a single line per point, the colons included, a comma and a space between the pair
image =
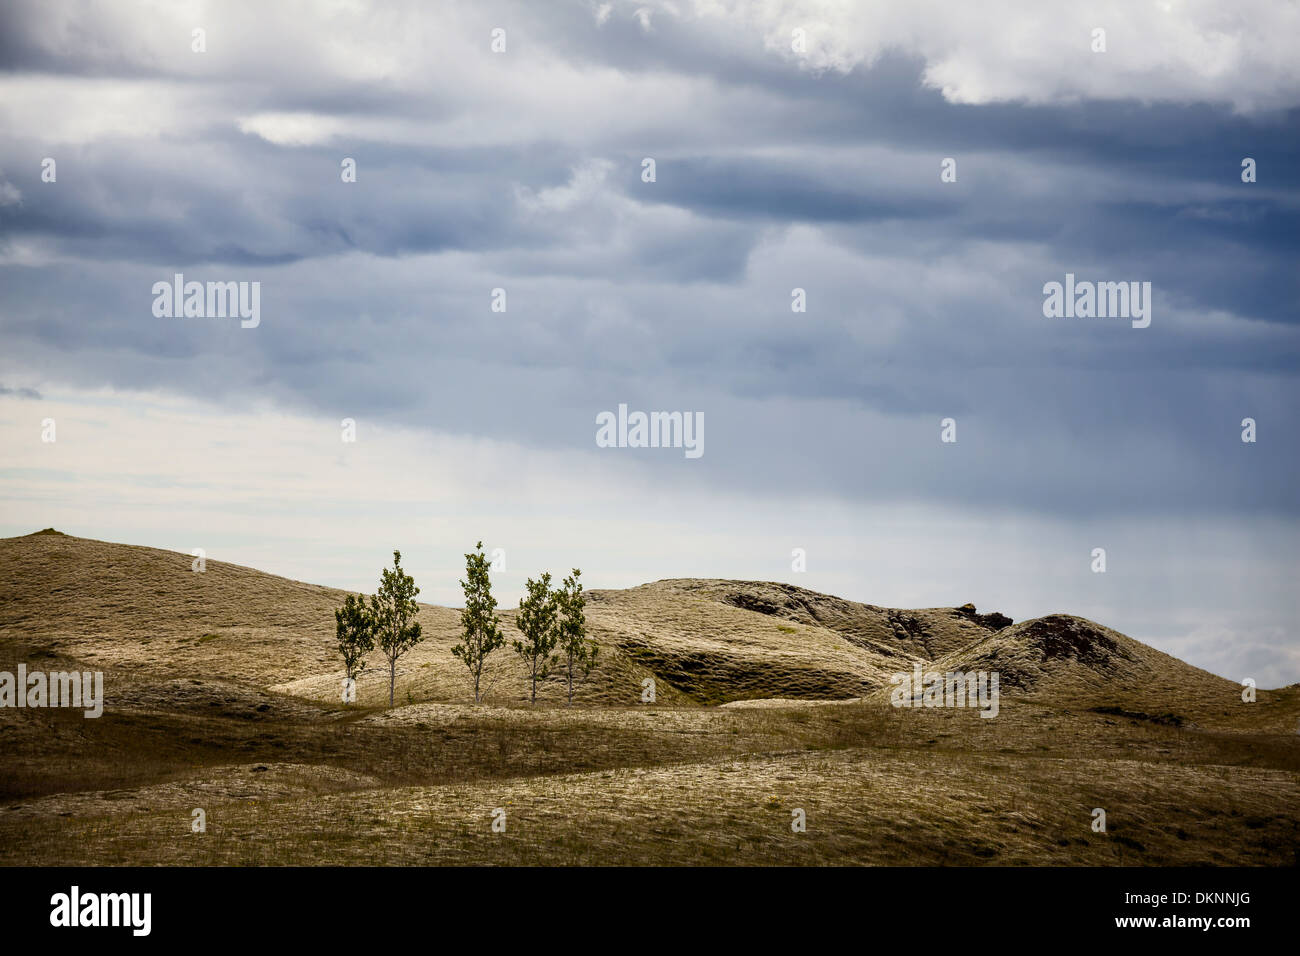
x: 221, y: 693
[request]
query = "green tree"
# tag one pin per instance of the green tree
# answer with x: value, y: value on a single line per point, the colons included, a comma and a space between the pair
x: 355, y: 630
x: 537, y: 622
x: 393, y: 610
x: 577, y: 654
x: 481, y: 627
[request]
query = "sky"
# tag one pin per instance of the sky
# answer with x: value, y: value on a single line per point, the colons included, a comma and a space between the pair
x: 920, y: 171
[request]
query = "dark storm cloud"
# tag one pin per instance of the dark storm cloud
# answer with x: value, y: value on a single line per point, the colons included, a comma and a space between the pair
x: 925, y: 298
x: 20, y: 392
x: 786, y: 192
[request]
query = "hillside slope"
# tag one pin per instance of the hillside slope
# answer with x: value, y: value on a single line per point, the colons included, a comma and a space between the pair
x: 1070, y: 661
x: 144, y: 611
x: 721, y: 641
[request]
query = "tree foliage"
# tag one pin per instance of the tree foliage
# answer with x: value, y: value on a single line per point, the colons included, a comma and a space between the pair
x: 481, y: 630
x: 537, y: 622
x: 577, y: 653
x: 355, y: 631
x: 393, y: 610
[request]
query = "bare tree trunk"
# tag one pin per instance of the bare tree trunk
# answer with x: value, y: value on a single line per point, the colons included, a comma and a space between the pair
x: 392, y: 678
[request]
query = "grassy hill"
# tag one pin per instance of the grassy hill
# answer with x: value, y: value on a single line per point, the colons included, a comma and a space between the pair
x: 143, y: 610
x: 222, y: 692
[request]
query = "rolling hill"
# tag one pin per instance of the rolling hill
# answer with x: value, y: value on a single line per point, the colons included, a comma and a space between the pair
x: 704, y: 641
x: 221, y: 692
